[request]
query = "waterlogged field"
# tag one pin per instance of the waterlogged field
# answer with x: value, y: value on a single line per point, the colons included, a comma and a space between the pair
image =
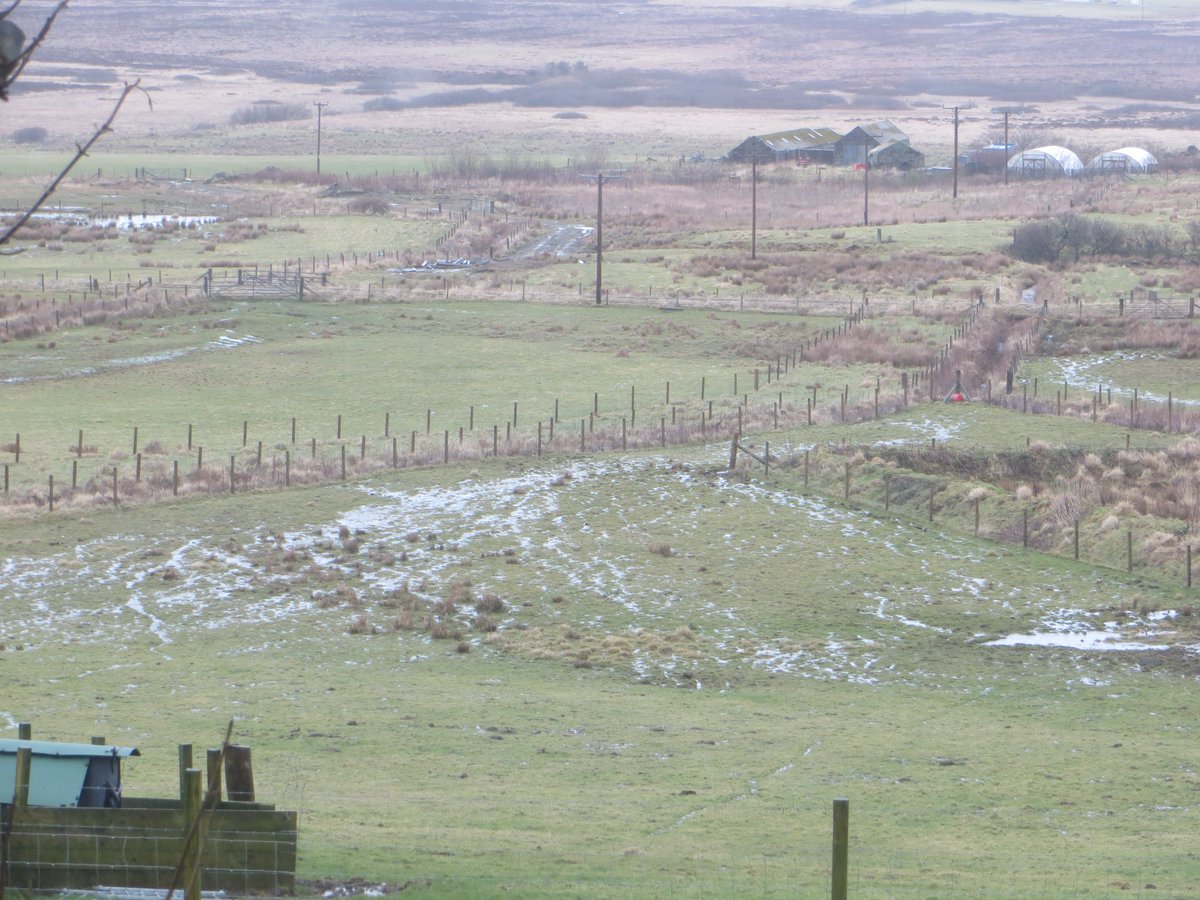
x: 595, y: 673
x: 685, y: 669
x: 425, y: 367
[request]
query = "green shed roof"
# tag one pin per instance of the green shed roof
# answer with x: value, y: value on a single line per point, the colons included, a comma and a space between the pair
x: 60, y: 748
x: 59, y: 770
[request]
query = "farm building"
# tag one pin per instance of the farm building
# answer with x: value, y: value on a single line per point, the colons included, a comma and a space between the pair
x: 799, y: 143
x: 1045, y: 162
x: 887, y: 144
x: 897, y: 155
x: 852, y: 148
x: 1126, y: 161
x: 992, y: 158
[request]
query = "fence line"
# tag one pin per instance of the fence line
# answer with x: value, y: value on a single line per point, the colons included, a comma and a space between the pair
x: 836, y: 473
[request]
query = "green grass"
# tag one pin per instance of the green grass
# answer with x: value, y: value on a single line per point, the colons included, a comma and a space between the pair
x: 678, y: 760
x: 412, y: 366
x: 1152, y: 373
x: 688, y: 666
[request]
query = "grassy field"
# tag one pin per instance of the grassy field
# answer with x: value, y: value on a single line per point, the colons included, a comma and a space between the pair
x: 644, y: 710
x: 549, y: 672
x: 705, y: 697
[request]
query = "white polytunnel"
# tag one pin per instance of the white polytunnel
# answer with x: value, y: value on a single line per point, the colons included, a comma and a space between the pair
x: 1045, y: 162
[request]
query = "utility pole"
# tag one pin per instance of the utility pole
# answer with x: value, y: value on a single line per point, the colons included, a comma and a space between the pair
x: 759, y: 155
x: 600, y: 178
x: 1006, y: 148
x: 754, y: 209
x: 866, y: 181
x: 955, y: 194
x: 320, y: 106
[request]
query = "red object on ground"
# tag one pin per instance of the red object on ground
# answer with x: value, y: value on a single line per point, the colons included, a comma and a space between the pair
x: 956, y: 397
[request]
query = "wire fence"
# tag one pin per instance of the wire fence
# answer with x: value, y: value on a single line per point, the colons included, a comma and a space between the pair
x: 248, y: 852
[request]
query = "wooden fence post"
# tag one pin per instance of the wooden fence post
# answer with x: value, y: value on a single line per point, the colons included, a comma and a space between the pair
x: 239, y: 773
x: 841, y: 849
x: 213, y: 775
x: 185, y: 763
x: 192, y: 810
x: 22, y: 776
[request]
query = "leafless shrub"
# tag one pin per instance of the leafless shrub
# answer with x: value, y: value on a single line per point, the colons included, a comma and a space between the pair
x: 265, y: 111
x: 489, y: 603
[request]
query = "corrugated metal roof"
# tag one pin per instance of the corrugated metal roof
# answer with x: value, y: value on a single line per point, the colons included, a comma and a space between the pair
x: 883, y: 131
x: 60, y: 748
x: 799, y: 138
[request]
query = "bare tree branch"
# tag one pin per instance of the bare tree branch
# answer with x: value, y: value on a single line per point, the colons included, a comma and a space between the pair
x: 81, y: 150
x: 11, y: 68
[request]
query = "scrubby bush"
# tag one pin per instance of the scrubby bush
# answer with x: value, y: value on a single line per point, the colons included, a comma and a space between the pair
x: 31, y: 135
x: 265, y: 111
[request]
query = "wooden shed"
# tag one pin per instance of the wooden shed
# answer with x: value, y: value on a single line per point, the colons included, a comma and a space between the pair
x: 66, y: 774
